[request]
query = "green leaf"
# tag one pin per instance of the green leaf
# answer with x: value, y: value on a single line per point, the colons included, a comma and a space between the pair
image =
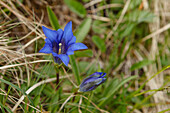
x: 110, y: 85
x: 128, y: 31
x: 164, y: 111
x: 36, y: 102
x: 98, y: 27
x: 113, y: 90
x: 76, y: 7
x: 75, y: 68
x: 83, y: 29
x: 16, y: 87
x: 86, y: 0
x: 12, y: 85
x: 2, y: 108
x: 140, y: 16
x: 82, y: 66
x: 85, y: 53
x: 134, y: 4
x: 140, y: 64
x: 53, y: 19
x: 55, y: 98
x: 99, y: 43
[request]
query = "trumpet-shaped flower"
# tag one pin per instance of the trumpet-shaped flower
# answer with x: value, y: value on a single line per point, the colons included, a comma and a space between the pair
x: 61, y: 43
x: 92, y: 82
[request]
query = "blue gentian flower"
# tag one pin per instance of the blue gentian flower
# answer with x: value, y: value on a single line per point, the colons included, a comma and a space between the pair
x: 61, y: 43
x: 92, y: 82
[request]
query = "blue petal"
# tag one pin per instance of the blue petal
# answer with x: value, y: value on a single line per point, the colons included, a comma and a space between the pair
x: 104, y: 79
x: 103, y: 75
x: 50, y: 34
x: 46, y: 49
x: 90, y: 89
x: 96, y: 74
x: 98, y: 81
x: 70, y: 52
x: 90, y: 83
x: 68, y: 34
x: 82, y: 89
x: 48, y: 42
x: 64, y: 58
x: 72, y: 41
x: 60, y: 35
x: 57, y: 60
x: 91, y: 80
x: 76, y: 46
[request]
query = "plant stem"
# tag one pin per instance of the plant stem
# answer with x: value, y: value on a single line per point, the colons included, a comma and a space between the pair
x: 57, y: 68
x: 74, y: 96
x: 57, y: 81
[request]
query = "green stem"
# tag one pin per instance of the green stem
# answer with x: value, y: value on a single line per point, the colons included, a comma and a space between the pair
x: 57, y: 68
x: 57, y: 81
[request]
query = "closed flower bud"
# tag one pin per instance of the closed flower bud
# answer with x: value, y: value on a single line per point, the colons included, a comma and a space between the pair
x: 92, y: 82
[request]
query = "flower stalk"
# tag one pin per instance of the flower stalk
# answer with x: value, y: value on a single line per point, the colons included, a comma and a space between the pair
x: 57, y: 69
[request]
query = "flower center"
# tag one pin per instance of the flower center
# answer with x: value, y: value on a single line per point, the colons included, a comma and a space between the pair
x: 59, y: 51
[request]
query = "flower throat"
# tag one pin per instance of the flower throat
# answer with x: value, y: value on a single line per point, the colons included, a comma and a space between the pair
x: 59, y: 51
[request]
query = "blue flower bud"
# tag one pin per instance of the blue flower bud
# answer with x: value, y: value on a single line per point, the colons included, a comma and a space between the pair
x: 92, y: 82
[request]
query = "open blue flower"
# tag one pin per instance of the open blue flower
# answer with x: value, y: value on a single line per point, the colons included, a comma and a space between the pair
x: 92, y: 82
x: 61, y: 43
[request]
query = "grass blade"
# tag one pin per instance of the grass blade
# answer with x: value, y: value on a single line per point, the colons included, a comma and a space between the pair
x: 75, y: 68
x: 53, y: 19
x: 76, y: 7
x: 83, y: 30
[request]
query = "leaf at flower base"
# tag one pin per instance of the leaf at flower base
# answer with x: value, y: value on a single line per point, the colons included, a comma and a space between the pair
x: 75, y: 68
x: 141, y: 64
x: 53, y: 19
x: 85, y: 53
x: 83, y: 30
x: 76, y: 7
x: 99, y: 43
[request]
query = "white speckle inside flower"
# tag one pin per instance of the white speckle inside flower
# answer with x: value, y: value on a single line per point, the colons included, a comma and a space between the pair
x: 60, y: 44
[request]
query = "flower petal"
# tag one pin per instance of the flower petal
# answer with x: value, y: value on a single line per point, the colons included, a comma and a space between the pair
x: 60, y: 33
x: 47, y: 40
x: 103, y: 75
x: 68, y: 34
x: 72, y: 41
x: 57, y: 60
x: 96, y: 74
x: 90, y: 89
x: 64, y: 58
x: 85, y: 89
x: 76, y: 46
x: 70, y: 52
x: 90, y: 83
x: 46, y: 49
x: 50, y: 34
